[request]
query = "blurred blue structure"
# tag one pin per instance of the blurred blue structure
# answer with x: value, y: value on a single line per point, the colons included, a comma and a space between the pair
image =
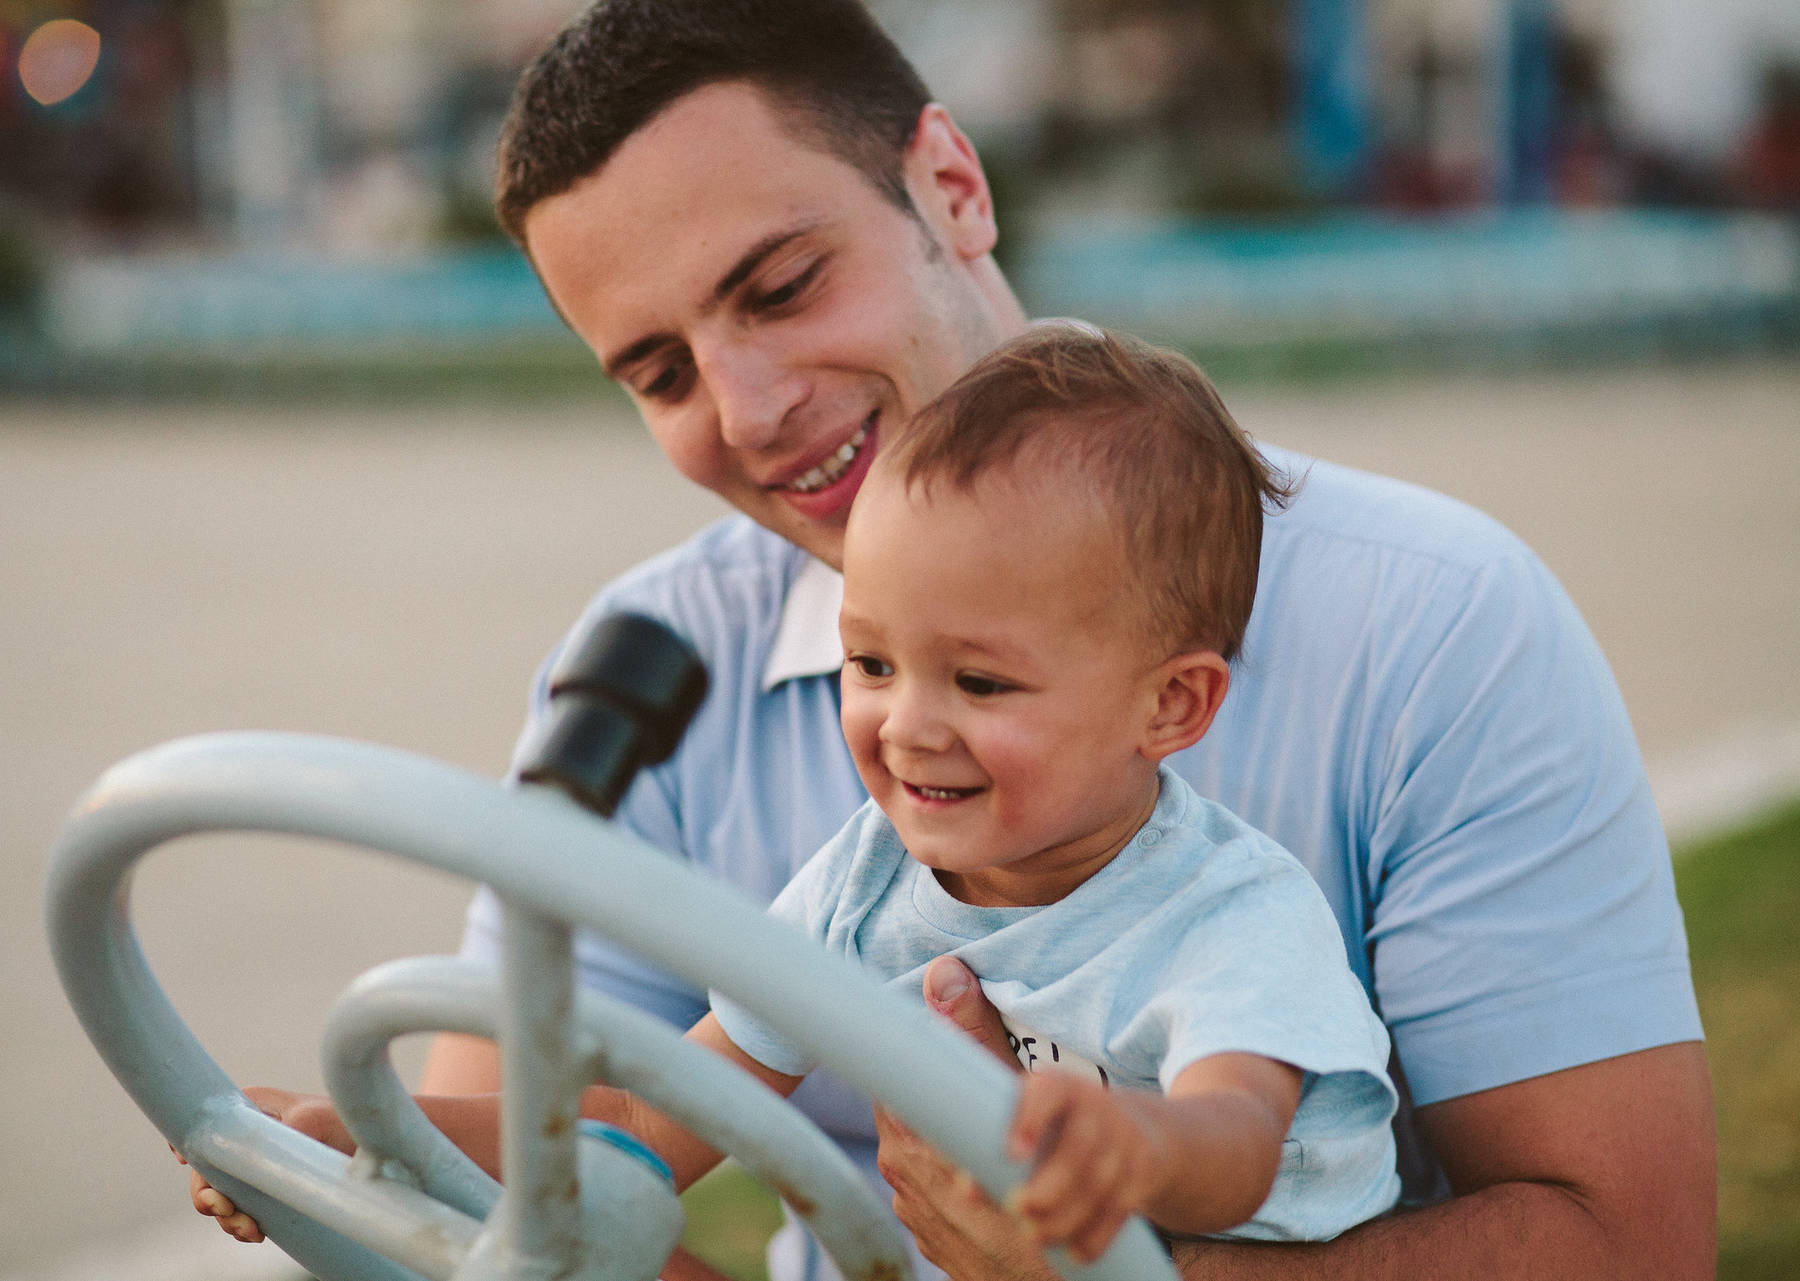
x: 1528, y: 98
x: 1332, y: 94
x: 1520, y: 276
x: 1511, y: 278
x: 246, y: 299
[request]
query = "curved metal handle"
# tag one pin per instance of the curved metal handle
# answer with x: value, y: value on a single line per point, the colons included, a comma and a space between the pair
x: 535, y: 847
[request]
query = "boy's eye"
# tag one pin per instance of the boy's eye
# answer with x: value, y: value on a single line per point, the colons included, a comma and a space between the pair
x: 979, y: 686
x: 870, y: 666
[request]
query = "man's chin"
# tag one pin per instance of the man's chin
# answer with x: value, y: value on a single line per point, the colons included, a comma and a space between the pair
x: 822, y: 539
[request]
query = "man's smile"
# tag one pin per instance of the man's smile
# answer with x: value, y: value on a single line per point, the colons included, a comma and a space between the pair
x: 835, y: 465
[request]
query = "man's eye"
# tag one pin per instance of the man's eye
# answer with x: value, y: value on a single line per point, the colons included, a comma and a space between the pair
x: 663, y: 384
x: 667, y: 381
x: 783, y: 294
x: 979, y: 686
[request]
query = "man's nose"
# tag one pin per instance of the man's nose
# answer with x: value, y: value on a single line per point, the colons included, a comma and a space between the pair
x: 752, y: 392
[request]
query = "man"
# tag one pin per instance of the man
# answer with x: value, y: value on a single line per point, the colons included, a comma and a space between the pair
x: 774, y: 240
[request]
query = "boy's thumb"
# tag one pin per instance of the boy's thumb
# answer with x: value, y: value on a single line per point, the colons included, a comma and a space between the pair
x: 952, y: 992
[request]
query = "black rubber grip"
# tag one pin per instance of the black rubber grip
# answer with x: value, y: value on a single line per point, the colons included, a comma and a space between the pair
x: 621, y: 694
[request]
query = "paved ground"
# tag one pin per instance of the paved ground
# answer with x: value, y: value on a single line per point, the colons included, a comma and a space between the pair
x: 395, y: 575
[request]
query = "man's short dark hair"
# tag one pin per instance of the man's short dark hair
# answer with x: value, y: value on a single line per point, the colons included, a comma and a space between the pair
x: 840, y: 81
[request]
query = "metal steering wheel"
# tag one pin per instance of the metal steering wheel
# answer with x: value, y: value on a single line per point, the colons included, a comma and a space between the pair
x: 580, y: 1202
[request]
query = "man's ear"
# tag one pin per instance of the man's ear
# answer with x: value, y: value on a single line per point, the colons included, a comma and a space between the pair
x: 947, y: 185
x: 1189, y: 689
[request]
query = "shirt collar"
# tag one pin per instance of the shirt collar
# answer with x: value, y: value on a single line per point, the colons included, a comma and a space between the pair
x: 806, y: 641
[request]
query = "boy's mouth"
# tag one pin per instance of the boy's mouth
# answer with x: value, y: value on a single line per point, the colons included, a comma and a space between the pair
x: 939, y: 793
x: 835, y: 467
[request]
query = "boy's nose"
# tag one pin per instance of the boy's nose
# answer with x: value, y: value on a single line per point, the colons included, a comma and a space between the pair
x: 914, y: 722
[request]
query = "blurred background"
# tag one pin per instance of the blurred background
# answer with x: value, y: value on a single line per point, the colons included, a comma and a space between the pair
x: 289, y: 438
x: 258, y: 185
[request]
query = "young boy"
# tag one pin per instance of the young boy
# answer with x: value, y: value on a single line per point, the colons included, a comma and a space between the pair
x: 1044, y: 581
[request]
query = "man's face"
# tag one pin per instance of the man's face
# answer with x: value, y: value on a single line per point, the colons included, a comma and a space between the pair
x: 771, y: 314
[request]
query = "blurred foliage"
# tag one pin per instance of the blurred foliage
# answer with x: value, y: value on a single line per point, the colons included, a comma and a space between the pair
x: 467, y: 218
x: 21, y: 275
x: 730, y: 1217
x: 1741, y: 894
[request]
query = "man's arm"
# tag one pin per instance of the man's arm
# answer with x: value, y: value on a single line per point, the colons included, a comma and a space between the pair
x: 1604, y: 1170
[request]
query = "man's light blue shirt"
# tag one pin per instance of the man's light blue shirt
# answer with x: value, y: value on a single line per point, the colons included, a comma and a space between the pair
x: 1419, y: 715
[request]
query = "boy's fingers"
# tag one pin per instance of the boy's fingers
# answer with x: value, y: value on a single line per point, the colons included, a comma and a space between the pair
x: 1077, y: 1180
x: 207, y: 1199
x: 1043, y: 1099
x: 1089, y: 1242
x: 243, y: 1227
x: 952, y: 991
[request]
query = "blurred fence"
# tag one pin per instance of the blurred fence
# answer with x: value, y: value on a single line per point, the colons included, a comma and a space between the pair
x: 1481, y: 287
x: 1520, y: 277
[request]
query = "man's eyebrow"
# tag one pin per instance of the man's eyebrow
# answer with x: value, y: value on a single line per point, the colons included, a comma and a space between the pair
x: 741, y: 270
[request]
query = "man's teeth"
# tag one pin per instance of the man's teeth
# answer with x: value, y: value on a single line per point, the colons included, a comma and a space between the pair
x: 834, y: 467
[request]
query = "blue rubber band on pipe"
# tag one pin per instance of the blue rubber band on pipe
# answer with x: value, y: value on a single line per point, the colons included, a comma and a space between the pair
x: 628, y: 1143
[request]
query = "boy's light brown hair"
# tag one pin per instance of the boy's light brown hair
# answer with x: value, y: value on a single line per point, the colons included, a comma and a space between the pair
x: 1146, y: 432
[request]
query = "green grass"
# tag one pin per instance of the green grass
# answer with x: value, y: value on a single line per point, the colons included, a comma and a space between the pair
x: 730, y: 1217
x: 1741, y: 894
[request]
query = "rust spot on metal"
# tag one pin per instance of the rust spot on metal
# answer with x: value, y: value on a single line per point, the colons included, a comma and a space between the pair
x: 880, y: 1270
x: 805, y: 1207
x: 556, y: 1125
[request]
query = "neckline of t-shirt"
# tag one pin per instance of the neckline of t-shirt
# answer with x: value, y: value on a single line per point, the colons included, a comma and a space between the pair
x: 944, y: 911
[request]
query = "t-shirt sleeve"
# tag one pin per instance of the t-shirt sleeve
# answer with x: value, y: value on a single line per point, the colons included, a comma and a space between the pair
x: 1259, y: 969
x: 1521, y: 892
x: 808, y: 903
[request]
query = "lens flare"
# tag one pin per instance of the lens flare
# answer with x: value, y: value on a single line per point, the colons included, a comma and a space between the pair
x: 57, y: 59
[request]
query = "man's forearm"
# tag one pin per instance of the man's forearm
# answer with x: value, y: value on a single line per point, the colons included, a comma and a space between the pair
x: 1515, y: 1231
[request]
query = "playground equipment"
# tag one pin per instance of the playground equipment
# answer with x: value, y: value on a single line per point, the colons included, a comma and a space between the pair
x: 582, y: 1202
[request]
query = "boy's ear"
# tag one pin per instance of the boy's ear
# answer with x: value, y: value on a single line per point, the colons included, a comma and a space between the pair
x: 1189, y: 689
x: 946, y: 182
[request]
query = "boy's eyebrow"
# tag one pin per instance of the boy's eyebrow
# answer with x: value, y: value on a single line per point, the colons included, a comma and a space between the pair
x: 740, y: 271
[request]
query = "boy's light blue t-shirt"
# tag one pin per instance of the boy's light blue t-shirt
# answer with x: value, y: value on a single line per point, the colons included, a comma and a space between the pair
x: 1202, y: 937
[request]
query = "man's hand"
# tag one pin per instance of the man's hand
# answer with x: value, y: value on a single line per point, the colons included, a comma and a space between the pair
x: 311, y: 1114
x: 955, y: 1223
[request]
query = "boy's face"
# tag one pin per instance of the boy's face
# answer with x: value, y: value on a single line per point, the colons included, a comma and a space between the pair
x: 995, y: 692
x: 770, y: 312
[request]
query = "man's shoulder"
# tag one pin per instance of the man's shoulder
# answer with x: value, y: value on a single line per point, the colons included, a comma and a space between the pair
x: 1363, y: 512
x: 722, y: 588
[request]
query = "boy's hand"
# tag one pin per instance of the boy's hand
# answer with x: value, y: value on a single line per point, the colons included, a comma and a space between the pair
x: 1096, y: 1159
x: 311, y: 1114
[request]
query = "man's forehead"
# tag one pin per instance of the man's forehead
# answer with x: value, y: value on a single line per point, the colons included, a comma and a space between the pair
x: 687, y: 200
